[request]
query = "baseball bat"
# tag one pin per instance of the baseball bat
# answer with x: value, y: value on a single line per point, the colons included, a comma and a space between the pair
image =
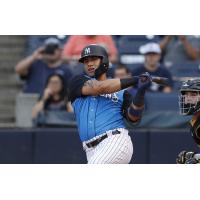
x: 160, y: 80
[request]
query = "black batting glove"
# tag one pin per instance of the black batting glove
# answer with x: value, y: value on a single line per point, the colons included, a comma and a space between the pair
x: 144, y: 83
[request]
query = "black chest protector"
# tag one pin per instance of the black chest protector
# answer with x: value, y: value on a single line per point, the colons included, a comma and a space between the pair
x: 195, y: 127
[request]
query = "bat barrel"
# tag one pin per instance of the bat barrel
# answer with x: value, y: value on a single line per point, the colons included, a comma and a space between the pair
x: 160, y: 80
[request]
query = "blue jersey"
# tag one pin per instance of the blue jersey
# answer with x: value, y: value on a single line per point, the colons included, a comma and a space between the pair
x: 96, y: 114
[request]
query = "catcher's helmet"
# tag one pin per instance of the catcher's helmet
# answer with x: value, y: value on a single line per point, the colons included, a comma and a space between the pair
x: 188, y: 108
x: 98, y: 51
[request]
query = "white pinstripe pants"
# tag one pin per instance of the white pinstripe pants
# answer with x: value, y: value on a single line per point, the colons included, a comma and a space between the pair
x: 115, y: 149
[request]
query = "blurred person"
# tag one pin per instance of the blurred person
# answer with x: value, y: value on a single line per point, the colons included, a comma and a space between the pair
x: 102, y: 106
x: 54, y: 98
x: 152, y: 53
x: 75, y: 44
x: 122, y: 71
x: 189, y: 104
x: 35, y: 41
x: 180, y: 49
x: 40, y: 64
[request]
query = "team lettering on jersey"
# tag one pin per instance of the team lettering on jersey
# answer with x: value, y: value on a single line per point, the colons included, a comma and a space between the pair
x: 112, y: 96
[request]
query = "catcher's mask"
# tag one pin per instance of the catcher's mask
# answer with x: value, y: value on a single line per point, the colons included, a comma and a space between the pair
x: 189, y: 97
x: 97, y: 51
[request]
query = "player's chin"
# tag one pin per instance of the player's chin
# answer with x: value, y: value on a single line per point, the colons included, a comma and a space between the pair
x: 90, y: 74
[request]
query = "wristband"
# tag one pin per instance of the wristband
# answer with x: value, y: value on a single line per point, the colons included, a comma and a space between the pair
x: 127, y: 82
x: 134, y: 112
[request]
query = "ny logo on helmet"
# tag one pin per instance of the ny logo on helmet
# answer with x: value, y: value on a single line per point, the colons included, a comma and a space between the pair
x: 87, y: 51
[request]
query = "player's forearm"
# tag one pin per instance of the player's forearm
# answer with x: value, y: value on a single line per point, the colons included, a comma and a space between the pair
x: 23, y: 66
x: 108, y: 86
x: 136, y: 108
x: 94, y: 87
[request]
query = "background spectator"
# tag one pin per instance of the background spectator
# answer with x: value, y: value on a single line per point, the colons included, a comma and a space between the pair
x: 75, y: 44
x: 152, y: 54
x: 54, y: 98
x: 122, y: 71
x: 38, y: 66
x: 180, y: 48
x: 35, y: 41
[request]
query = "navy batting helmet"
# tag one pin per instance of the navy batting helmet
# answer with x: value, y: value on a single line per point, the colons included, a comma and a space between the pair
x: 98, y: 51
x: 94, y: 50
x: 187, y: 107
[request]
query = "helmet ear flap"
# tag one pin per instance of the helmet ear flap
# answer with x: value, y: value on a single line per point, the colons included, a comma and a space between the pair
x: 103, y: 68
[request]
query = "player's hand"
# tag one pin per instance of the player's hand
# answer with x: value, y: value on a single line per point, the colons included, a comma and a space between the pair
x: 185, y: 157
x: 144, y: 81
x: 38, y: 53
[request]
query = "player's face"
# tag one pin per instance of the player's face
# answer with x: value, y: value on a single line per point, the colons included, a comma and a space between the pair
x: 192, y: 97
x: 121, y: 73
x: 152, y: 59
x: 91, y: 64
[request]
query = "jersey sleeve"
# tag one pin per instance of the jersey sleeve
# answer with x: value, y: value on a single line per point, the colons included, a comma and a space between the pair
x: 75, y: 87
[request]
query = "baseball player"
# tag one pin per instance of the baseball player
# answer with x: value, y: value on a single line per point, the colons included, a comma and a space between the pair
x: 102, y: 104
x: 189, y: 103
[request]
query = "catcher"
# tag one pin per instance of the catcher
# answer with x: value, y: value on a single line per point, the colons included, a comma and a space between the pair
x: 189, y: 104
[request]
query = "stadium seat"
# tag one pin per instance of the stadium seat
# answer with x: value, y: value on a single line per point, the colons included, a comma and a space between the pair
x: 129, y: 52
x: 190, y: 69
x: 129, y: 45
x: 55, y: 119
x: 162, y: 101
x: 162, y: 111
x: 144, y: 38
x: 23, y: 110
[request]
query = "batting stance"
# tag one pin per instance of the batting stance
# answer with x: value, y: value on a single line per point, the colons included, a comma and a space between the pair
x: 189, y: 103
x: 100, y: 106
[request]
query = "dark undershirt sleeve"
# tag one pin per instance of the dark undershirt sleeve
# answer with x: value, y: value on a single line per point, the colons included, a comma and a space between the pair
x: 75, y: 87
x: 127, y: 100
